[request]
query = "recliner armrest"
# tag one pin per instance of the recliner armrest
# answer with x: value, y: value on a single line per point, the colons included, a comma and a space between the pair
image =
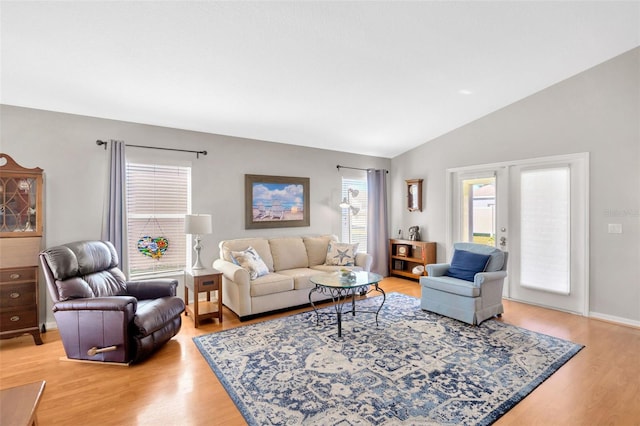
x: 437, y: 269
x: 152, y: 289
x: 111, y: 303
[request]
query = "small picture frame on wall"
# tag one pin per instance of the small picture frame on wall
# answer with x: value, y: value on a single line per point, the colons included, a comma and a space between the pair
x: 276, y: 201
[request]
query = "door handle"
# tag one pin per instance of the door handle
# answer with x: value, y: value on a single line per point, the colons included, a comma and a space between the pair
x: 503, y: 241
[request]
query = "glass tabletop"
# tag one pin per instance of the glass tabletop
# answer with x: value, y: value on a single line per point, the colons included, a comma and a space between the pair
x: 351, y: 280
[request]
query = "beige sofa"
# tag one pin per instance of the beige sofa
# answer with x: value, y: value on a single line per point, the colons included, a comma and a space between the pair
x: 291, y: 261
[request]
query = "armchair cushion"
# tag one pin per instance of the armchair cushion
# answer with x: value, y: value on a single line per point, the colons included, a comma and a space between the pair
x: 454, y: 286
x: 465, y: 264
x: 498, y: 257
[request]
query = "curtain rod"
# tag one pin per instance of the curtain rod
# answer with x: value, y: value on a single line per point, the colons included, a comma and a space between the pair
x: 197, y: 153
x: 354, y: 168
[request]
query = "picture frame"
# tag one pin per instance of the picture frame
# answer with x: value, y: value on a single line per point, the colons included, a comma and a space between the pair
x: 276, y: 201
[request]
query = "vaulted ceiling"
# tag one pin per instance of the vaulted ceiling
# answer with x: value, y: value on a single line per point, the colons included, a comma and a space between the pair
x: 376, y: 78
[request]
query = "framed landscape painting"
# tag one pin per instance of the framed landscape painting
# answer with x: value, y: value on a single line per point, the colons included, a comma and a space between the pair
x: 276, y: 201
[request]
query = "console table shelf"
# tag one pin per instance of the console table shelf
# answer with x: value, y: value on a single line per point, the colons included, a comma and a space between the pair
x: 404, y: 255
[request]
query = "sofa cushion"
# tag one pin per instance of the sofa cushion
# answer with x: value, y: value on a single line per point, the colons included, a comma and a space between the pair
x: 261, y: 246
x: 288, y: 253
x: 271, y: 283
x: 317, y: 248
x: 465, y: 264
x: 301, y: 277
x: 250, y: 260
x: 341, y: 254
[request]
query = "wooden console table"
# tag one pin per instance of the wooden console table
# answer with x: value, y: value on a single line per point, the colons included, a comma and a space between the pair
x: 18, y: 405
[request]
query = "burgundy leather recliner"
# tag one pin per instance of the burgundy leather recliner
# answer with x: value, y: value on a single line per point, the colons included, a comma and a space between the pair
x: 100, y: 315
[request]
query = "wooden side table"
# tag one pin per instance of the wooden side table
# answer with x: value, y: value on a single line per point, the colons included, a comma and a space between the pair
x: 18, y: 405
x: 203, y: 281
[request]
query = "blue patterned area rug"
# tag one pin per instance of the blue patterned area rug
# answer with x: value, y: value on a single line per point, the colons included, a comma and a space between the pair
x: 414, y: 368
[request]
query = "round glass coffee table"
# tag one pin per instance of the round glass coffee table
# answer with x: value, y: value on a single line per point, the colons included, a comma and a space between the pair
x: 342, y: 287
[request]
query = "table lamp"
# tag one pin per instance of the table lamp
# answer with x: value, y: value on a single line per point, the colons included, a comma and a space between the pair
x: 197, y: 225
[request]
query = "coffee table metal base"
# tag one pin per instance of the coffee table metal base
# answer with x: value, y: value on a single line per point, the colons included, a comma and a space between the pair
x: 340, y: 298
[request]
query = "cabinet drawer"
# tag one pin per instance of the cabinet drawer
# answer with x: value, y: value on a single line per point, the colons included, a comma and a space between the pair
x: 18, y: 274
x: 18, y: 319
x: 13, y: 295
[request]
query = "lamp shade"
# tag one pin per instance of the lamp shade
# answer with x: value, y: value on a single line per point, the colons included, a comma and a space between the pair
x: 197, y: 224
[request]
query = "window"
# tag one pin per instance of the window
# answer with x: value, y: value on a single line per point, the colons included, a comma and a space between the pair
x: 354, y: 218
x: 478, y: 210
x: 158, y: 197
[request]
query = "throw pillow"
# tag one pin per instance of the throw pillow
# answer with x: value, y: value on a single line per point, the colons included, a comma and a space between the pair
x: 341, y: 254
x: 250, y: 260
x: 465, y: 264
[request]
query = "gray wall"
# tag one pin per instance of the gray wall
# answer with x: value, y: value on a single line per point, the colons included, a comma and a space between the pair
x: 597, y: 111
x: 63, y: 145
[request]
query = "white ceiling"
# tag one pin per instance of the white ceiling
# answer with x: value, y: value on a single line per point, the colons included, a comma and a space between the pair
x: 375, y: 78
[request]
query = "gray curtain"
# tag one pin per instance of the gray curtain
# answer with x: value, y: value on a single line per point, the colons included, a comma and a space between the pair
x: 114, y: 221
x: 377, y: 232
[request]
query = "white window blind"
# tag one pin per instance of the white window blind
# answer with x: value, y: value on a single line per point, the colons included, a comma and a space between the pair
x: 158, y: 198
x: 545, y: 229
x: 354, y: 227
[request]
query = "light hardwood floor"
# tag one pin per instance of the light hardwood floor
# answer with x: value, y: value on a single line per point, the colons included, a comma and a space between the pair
x: 599, y: 386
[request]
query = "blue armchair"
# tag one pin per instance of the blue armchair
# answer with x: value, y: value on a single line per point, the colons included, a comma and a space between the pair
x: 469, y: 288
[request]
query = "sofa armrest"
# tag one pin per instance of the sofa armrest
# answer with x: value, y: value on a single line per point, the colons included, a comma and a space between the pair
x: 236, y: 287
x: 232, y: 272
x: 484, y: 277
x: 364, y: 260
x: 437, y: 269
x: 152, y: 289
x: 110, y: 303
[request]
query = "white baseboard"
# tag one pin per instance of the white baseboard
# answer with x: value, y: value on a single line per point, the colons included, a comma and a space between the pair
x: 51, y: 325
x: 614, y: 319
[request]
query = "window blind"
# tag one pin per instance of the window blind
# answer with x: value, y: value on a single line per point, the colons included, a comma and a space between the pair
x: 158, y: 198
x: 354, y: 227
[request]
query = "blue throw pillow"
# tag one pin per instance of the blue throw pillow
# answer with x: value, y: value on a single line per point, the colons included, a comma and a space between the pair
x: 465, y: 264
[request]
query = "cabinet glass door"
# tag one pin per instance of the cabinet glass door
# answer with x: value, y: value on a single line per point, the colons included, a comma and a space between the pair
x: 19, y: 206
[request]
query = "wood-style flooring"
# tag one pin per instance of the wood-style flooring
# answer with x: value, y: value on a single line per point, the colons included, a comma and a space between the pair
x: 599, y: 386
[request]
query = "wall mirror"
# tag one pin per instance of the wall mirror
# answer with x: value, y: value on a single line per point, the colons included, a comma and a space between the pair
x: 414, y: 194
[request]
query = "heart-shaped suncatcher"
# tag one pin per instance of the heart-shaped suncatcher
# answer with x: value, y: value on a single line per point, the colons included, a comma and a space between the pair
x: 153, y: 247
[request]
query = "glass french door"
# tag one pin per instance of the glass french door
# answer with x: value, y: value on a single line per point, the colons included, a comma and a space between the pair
x: 537, y: 210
